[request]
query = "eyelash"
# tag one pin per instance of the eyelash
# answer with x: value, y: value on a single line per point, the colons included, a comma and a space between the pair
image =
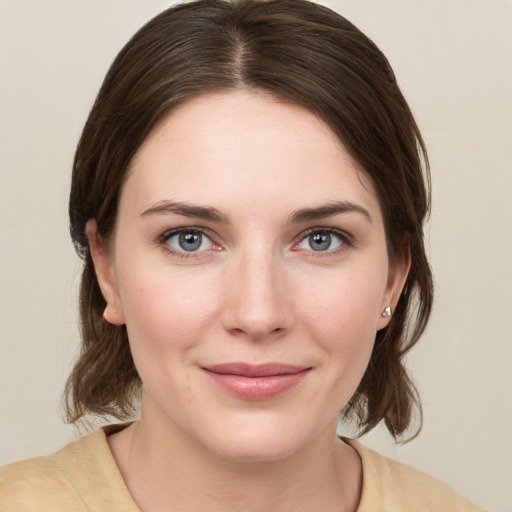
x: 346, y: 240
x: 163, y: 240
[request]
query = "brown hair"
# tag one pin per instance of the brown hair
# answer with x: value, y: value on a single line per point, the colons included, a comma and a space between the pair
x: 299, y: 52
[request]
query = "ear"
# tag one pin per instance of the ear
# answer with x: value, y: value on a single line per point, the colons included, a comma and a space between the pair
x: 398, y: 272
x: 104, y: 268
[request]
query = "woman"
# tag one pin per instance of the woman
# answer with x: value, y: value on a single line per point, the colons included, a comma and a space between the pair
x: 248, y: 199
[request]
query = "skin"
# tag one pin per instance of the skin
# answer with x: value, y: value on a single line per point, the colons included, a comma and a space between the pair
x: 256, y: 291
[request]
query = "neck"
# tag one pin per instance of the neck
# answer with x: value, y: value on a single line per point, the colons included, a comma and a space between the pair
x: 166, y: 470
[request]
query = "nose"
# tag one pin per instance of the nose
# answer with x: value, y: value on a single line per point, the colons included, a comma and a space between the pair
x: 259, y: 298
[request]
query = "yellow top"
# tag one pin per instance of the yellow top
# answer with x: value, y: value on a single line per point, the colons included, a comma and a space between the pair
x: 83, y: 477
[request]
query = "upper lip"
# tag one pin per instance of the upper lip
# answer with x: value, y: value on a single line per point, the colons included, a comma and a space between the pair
x: 256, y: 370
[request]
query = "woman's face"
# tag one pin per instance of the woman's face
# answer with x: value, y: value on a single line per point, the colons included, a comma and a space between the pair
x: 249, y: 264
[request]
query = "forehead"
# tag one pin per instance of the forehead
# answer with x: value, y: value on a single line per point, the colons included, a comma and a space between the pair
x: 245, y: 146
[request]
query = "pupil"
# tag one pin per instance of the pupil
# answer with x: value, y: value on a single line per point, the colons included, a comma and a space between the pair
x: 190, y: 241
x: 320, y: 241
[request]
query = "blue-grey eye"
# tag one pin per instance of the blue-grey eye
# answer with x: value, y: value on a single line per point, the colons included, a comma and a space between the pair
x: 190, y: 241
x: 321, y: 241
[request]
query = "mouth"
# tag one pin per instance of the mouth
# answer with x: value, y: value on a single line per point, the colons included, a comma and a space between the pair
x: 256, y: 382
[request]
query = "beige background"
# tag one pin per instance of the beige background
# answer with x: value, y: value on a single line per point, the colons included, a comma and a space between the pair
x: 454, y: 62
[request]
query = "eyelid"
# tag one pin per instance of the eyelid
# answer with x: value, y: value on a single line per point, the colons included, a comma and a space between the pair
x: 346, y: 238
x: 163, y: 240
x: 175, y: 231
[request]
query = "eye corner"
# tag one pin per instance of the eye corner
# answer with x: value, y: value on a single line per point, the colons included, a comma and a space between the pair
x: 187, y: 242
x: 329, y: 241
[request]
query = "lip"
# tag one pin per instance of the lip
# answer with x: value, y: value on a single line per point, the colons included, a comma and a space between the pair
x: 256, y: 382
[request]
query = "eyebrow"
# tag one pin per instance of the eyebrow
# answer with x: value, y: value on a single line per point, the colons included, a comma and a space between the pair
x: 213, y: 215
x: 320, y: 212
x: 187, y: 210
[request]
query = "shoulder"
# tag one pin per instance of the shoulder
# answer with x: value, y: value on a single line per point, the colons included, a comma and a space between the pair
x: 392, y: 485
x: 82, y: 476
x: 42, y: 483
x: 36, y: 482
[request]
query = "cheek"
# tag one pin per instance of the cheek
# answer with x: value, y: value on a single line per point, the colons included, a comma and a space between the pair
x: 165, y: 311
x: 342, y: 318
x: 345, y: 304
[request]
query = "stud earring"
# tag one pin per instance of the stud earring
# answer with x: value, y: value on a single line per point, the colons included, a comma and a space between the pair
x: 387, y: 312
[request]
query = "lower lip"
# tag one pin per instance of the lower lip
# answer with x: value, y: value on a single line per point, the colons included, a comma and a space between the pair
x: 256, y: 388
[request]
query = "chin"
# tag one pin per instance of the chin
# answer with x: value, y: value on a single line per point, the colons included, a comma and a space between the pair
x: 258, y: 441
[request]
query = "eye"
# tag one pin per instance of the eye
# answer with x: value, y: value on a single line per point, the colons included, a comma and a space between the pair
x: 323, y: 240
x: 188, y: 240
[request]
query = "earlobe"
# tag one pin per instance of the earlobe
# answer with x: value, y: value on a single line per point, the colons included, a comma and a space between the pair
x: 103, y: 267
x: 397, y: 277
